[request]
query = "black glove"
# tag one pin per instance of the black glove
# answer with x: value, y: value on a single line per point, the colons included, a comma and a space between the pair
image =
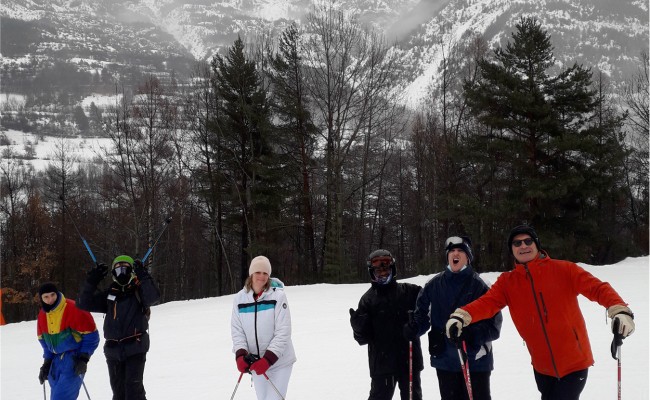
x: 45, y: 371
x: 97, y: 273
x: 410, y: 329
x: 437, y: 343
x: 140, y: 271
x: 81, y: 363
x: 358, y: 320
x: 410, y: 332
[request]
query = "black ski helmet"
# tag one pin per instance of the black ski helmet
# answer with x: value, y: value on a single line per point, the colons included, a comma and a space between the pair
x: 523, y: 230
x: 381, y: 253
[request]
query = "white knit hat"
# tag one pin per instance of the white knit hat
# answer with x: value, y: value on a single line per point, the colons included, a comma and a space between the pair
x: 260, y: 264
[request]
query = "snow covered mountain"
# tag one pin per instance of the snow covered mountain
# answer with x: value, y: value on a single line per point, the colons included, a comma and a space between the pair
x: 164, y: 35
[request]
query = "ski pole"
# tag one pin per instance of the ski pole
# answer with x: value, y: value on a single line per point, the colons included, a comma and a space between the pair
x: 236, y: 386
x: 85, y: 389
x: 410, y: 370
x: 80, y: 235
x: 617, y: 342
x: 167, y: 222
x: 274, y: 388
x: 464, y: 365
x: 44, y: 394
x: 618, y: 350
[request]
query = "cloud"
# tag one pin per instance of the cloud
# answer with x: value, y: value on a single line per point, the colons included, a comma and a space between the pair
x: 423, y: 12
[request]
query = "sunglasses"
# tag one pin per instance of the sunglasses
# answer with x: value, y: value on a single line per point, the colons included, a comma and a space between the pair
x: 528, y: 241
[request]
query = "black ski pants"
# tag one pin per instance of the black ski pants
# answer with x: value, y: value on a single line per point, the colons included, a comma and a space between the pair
x: 126, y: 377
x: 568, y: 387
x: 452, y: 385
x: 382, y: 387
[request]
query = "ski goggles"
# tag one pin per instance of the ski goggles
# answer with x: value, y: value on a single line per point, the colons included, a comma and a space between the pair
x: 381, y: 263
x: 528, y: 241
x: 452, y: 240
x: 122, y: 270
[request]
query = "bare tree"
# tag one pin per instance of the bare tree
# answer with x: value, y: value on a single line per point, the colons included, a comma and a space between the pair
x: 636, y: 96
x: 344, y: 66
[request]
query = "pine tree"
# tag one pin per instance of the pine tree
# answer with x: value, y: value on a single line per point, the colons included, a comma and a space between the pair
x: 245, y: 133
x: 298, y: 134
x: 545, y: 138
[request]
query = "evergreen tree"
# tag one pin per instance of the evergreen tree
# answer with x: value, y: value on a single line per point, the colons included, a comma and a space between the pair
x: 248, y: 156
x: 95, y: 119
x: 545, y: 139
x: 81, y: 120
x: 298, y: 134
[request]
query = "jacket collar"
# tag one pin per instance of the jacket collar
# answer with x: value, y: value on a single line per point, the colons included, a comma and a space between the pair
x: 541, y: 259
x: 57, y: 306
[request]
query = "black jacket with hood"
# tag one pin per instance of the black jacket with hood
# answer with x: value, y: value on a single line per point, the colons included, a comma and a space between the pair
x: 126, y: 323
x: 379, y: 321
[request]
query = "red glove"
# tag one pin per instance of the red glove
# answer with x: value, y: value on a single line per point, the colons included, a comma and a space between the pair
x: 260, y: 366
x: 242, y: 365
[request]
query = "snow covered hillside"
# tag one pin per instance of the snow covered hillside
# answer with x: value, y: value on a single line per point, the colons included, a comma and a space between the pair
x: 191, y: 355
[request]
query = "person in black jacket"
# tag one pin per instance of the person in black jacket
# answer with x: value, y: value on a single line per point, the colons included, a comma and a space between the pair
x: 126, y: 305
x: 456, y: 286
x: 378, y: 322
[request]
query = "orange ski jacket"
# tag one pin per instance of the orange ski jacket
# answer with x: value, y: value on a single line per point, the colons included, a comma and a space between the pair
x: 542, y: 297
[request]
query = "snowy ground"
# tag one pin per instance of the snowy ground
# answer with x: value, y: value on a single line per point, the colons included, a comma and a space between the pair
x: 45, y: 147
x: 191, y: 355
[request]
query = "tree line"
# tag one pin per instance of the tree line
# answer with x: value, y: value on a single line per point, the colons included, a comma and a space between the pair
x: 299, y: 147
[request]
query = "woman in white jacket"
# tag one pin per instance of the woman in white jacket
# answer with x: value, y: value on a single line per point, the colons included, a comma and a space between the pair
x: 261, y: 331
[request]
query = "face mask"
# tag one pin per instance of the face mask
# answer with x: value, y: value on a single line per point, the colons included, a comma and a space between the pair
x: 123, y: 275
x: 382, y: 280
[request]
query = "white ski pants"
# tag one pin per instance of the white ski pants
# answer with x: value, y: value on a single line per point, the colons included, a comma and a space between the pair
x: 279, y: 377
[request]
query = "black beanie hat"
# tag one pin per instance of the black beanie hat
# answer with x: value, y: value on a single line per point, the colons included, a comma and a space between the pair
x: 463, y: 243
x: 48, y: 287
x: 521, y: 230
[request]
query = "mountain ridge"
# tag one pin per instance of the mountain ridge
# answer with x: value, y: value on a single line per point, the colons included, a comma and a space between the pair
x: 171, y: 34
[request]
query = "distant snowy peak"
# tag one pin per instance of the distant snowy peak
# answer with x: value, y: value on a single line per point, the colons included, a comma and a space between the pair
x: 173, y: 34
x: 605, y: 36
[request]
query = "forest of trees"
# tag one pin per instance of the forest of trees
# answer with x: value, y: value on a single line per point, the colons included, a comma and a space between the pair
x: 299, y: 148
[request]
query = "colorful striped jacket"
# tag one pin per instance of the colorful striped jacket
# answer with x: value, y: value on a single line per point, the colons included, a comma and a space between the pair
x: 66, y: 328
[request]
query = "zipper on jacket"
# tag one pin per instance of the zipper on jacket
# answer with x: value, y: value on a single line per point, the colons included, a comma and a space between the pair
x: 257, y: 343
x: 541, y: 297
x: 541, y: 320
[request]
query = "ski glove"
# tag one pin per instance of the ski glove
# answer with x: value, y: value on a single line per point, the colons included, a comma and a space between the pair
x: 97, y: 273
x: 45, y: 371
x: 358, y: 320
x: 140, y: 271
x: 625, y: 319
x: 260, y: 366
x: 81, y: 363
x: 410, y: 329
x: 242, y: 364
x: 457, y: 321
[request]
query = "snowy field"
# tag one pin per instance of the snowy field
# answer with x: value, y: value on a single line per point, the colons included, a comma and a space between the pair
x: 191, y: 355
x: 44, y: 148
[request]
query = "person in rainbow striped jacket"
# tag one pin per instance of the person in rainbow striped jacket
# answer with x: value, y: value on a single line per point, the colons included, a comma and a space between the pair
x: 69, y: 337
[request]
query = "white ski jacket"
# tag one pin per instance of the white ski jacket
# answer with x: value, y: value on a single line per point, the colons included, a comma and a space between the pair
x: 263, y: 324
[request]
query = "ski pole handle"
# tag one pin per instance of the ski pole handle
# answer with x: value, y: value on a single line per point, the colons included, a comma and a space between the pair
x: 89, y: 251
